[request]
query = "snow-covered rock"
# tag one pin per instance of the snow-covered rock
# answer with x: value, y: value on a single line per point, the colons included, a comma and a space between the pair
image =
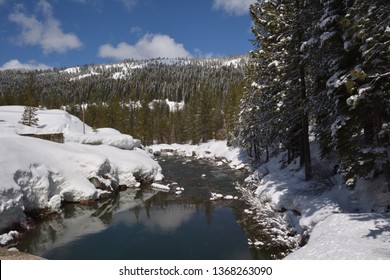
x: 6, y: 237
x: 160, y: 187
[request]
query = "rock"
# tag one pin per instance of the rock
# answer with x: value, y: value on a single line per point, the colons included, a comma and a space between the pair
x: 86, y: 202
x: 55, y: 203
x: 160, y: 187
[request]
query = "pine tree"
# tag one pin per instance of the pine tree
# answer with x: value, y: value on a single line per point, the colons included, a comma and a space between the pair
x: 361, y: 92
x: 29, y: 116
x: 275, y: 107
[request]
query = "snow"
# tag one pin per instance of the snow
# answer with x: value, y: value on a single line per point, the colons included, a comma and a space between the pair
x: 38, y: 173
x: 173, y: 106
x: 41, y: 174
x: 348, y: 236
x: 59, y: 121
x: 5, y: 238
x: 106, y: 136
x: 160, y: 187
x: 339, y: 220
x: 326, y: 36
x: 213, y: 149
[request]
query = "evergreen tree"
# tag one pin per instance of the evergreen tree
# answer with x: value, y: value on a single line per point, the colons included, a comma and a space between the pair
x: 277, y: 93
x: 29, y: 116
x: 361, y: 92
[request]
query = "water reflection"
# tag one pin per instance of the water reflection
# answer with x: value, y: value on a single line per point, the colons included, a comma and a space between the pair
x: 77, y: 221
x: 147, y: 224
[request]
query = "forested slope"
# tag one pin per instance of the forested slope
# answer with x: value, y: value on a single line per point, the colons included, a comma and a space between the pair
x: 163, y: 100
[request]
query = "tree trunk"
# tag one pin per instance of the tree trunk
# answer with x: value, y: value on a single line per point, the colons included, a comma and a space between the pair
x: 305, y: 148
x: 305, y: 128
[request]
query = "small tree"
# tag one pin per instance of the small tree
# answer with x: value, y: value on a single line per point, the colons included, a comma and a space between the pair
x: 29, y: 116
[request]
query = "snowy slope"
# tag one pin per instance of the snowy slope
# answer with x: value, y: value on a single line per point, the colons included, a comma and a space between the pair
x: 37, y: 173
x: 348, y: 237
x: 124, y: 69
x: 59, y: 121
x: 339, y: 221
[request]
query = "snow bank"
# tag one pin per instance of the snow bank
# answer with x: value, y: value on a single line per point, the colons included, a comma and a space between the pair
x: 59, y: 121
x: 40, y: 174
x: 348, y: 237
x: 106, y: 136
x: 304, y: 205
x: 213, y: 149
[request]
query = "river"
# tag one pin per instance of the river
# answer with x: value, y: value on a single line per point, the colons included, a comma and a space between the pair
x: 149, y: 224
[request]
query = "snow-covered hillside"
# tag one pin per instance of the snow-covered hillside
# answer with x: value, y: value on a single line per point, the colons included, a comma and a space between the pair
x: 38, y: 173
x: 124, y: 69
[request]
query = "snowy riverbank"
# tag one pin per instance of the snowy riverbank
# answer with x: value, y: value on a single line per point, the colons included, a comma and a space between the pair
x: 341, y: 222
x: 40, y: 174
x: 218, y: 151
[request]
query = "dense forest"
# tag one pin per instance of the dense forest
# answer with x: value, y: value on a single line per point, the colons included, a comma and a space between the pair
x: 320, y: 69
x: 156, y: 100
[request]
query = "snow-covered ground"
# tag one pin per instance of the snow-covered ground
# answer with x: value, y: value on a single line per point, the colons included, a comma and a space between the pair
x: 214, y: 150
x: 41, y: 174
x: 340, y: 221
x: 348, y: 236
x: 343, y: 224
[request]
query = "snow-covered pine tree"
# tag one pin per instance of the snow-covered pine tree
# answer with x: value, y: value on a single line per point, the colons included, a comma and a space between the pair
x: 276, y: 98
x: 361, y: 131
x: 29, y: 116
x: 325, y: 52
x: 260, y: 106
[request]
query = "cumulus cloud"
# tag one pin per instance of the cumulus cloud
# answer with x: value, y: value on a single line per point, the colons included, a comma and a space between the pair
x: 149, y: 46
x: 45, y: 32
x: 235, y: 7
x: 31, y: 65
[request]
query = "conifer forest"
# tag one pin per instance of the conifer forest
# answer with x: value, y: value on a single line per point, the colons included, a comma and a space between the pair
x: 319, y: 70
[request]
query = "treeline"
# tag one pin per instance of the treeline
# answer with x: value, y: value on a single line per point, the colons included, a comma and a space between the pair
x: 321, y: 68
x: 130, y: 96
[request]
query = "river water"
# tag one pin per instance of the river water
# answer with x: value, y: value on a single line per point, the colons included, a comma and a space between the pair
x: 149, y: 224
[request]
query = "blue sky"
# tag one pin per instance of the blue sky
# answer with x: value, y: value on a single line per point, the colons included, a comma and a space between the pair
x: 62, y: 33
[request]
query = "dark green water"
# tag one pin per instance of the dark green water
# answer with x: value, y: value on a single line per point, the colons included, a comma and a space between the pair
x: 148, y: 224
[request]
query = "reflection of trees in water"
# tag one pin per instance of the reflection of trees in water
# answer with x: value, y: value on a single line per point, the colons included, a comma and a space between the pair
x: 155, y: 210
x: 161, y: 201
x: 106, y: 210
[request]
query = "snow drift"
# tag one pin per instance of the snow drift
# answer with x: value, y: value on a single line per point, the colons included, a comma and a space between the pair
x: 39, y: 174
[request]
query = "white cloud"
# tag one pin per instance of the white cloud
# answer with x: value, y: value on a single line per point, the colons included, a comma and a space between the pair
x: 235, y: 7
x: 149, y: 46
x: 31, y: 65
x: 45, y: 32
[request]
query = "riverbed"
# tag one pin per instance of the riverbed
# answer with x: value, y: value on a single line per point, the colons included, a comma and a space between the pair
x: 147, y: 223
